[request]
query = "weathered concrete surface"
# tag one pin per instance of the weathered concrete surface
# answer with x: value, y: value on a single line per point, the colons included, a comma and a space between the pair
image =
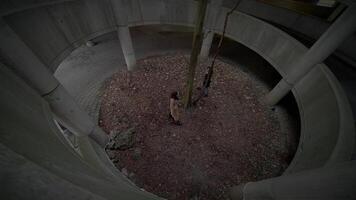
x: 308, y: 26
x: 341, y: 29
x: 332, y: 182
x: 17, y: 172
x: 126, y: 46
x: 29, y: 67
x: 82, y: 77
x: 325, y: 124
x: 32, y: 145
x: 275, y: 46
x: 210, y: 23
x: 281, y: 50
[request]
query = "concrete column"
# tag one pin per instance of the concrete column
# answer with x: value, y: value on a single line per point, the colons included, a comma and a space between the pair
x: 126, y: 46
x: 205, y: 48
x: 120, y: 12
x: 28, y: 66
x: 68, y: 112
x: 334, y: 182
x: 210, y: 26
x: 19, y: 98
x: 340, y: 30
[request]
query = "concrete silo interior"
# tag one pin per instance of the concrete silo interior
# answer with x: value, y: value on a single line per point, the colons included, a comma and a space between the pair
x: 178, y: 99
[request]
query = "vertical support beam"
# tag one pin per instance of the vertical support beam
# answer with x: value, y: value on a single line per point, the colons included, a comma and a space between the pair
x: 210, y: 26
x: 120, y: 12
x: 86, y: 146
x: 197, y: 42
x: 340, y: 30
x: 37, y: 75
x: 207, y: 41
x: 126, y: 46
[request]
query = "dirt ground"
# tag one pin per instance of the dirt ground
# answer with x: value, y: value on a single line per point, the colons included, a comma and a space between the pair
x: 228, y: 138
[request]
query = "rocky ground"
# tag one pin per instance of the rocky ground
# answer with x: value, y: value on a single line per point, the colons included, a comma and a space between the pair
x: 228, y: 138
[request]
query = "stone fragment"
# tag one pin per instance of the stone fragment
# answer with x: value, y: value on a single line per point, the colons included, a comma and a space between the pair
x: 121, y: 141
x: 124, y: 172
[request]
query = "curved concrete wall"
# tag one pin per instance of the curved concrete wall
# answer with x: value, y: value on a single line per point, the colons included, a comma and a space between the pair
x: 36, y: 160
x: 327, y: 133
x: 53, y: 31
x: 309, y: 28
x: 320, y: 99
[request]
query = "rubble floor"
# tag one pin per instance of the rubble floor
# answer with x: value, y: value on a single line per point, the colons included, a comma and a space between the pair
x: 229, y: 137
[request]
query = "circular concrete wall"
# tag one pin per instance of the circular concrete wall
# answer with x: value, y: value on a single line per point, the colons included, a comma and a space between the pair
x: 53, y: 30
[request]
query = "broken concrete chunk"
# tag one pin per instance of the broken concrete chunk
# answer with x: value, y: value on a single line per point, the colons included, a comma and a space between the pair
x: 121, y: 141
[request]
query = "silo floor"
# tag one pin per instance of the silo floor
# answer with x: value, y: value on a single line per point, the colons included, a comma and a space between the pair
x: 229, y: 137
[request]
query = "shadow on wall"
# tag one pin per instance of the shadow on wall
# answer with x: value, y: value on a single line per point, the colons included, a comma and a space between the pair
x: 248, y: 60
